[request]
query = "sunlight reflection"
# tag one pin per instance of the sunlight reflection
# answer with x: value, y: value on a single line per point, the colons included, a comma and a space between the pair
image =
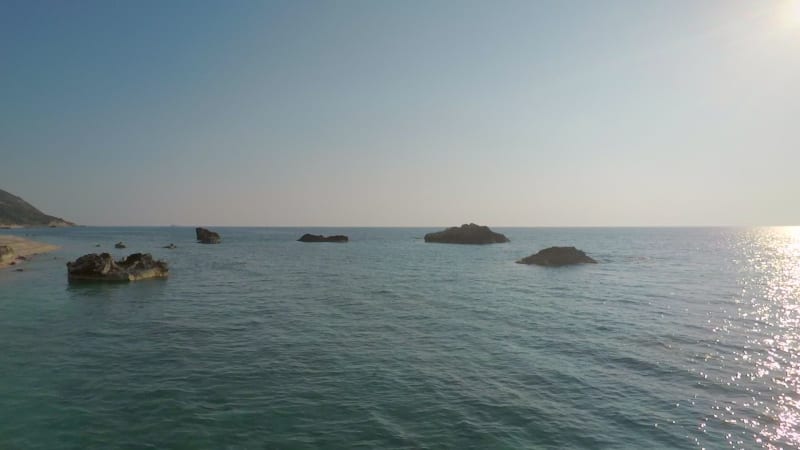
x: 763, y: 334
x: 778, y: 274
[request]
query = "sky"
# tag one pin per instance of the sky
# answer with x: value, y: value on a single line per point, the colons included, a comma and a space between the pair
x: 403, y: 113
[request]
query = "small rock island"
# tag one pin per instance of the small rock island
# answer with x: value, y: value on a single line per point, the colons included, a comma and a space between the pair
x: 557, y: 257
x: 320, y: 238
x: 102, y: 267
x: 466, y: 234
x: 205, y: 236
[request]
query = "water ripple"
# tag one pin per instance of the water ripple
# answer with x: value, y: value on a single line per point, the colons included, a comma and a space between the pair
x: 680, y: 338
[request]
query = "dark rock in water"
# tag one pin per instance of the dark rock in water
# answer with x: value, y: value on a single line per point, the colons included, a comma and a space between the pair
x: 320, y: 238
x: 119, y: 245
x: 20, y: 270
x: 558, y: 256
x: 6, y: 253
x: 102, y: 267
x: 170, y: 246
x: 206, y: 236
x: 97, y: 245
x: 466, y: 234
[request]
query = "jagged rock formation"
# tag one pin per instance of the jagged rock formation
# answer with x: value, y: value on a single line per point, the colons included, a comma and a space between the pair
x: 205, y: 236
x: 320, y: 238
x: 558, y: 256
x: 102, y: 267
x: 16, y: 212
x: 466, y: 234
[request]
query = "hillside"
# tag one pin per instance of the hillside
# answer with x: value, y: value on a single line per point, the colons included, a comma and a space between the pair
x: 15, y: 211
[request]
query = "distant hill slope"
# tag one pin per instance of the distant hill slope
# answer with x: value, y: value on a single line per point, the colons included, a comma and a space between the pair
x: 15, y: 211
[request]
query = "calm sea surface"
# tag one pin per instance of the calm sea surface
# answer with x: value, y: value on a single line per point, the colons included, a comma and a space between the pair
x: 679, y: 338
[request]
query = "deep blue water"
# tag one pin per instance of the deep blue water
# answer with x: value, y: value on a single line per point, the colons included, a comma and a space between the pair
x: 678, y: 338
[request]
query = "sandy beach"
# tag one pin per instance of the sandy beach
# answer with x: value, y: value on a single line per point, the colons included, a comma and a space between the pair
x: 24, y: 247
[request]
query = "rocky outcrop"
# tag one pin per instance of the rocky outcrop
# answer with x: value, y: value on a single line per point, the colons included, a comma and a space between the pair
x: 119, y: 245
x: 320, y: 238
x: 466, y: 234
x: 16, y: 212
x: 205, y: 236
x: 7, y: 254
x: 102, y: 267
x: 558, y: 256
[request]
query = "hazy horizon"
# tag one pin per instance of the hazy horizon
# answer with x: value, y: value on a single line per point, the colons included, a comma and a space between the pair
x: 509, y: 114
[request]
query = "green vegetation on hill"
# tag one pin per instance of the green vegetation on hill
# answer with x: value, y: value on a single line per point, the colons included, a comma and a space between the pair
x: 15, y: 211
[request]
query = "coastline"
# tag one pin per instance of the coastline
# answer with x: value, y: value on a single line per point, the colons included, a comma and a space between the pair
x: 24, y: 247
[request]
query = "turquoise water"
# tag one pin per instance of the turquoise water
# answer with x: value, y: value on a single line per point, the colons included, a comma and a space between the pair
x: 679, y: 338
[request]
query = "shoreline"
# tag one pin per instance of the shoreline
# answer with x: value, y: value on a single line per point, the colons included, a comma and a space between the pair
x: 23, y: 248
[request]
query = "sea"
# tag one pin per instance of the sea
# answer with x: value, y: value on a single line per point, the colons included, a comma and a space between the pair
x: 679, y: 338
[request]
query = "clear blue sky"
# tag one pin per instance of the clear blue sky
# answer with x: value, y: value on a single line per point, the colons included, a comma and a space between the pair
x: 402, y: 113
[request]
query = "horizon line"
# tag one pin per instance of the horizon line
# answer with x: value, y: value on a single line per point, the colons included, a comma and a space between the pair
x: 417, y: 226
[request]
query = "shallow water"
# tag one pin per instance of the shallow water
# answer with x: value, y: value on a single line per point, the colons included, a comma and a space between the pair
x: 679, y: 338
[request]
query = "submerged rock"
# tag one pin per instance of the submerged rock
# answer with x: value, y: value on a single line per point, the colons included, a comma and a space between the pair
x: 102, y: 267
x: 466, y: 234
x: 205, y: 236
x: 119, y: 245
x: 320, y: 238
x: 558, y: 256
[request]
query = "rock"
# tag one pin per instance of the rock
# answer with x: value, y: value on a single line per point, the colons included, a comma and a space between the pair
x: 97, y: 245
x: 6, y: 254
x: 170, y: 246
x: 206, y: 236
x: 102, y: 267
x: 320, y: 238
x: 19, y: 270
x: 119, y: 245
x: 558, y: 256
x: 466, y: 234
